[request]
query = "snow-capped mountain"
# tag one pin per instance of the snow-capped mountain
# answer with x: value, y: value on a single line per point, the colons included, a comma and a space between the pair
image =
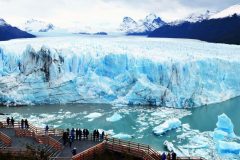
x: 198, y: 17
x: 194, y: 17
x: 148, y: 24
x: 2, y: 22
x: 33, y: 25
x: 43, y: 29
x: 128, y: 25
x: 8, y: 32
x: 228, y: 12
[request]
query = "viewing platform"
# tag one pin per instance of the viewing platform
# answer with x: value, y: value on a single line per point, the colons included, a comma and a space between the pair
x: 34, y: 141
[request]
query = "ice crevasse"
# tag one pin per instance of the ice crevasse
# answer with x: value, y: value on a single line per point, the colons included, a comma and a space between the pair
x: 119, y: 71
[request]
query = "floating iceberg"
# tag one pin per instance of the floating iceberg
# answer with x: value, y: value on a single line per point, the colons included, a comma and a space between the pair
x: 122, y: 136
x: 167, y: 126
x: 224, y: 128
x: 118, y: 70
x: 225, y: 137
x: 228, y: 147
x: 115, y: 117
x: 92, y: 116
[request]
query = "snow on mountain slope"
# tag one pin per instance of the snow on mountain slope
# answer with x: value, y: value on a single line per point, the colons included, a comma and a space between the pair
x: 33, y: 25
x: 235, y: 9
x: 2, y: 22
x: 43, y: 29
x: 128, y: 25
x: 119, y: 71
x: 194, y: 17
x: 149, y: 23
x: 8, y: 32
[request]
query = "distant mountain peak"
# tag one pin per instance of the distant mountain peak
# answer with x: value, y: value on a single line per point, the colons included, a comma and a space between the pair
x: 34, y: 25
x: 228, y: 12
x: 8, y: 32
x: 194, y: 17
x: 3, y: 22
x: 149, y: 23
x: 128, y: 24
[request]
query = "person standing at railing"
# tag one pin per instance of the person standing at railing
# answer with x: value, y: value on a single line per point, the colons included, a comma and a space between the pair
x: 8, y: 121
x: 84, y: 134
x: 73, y: 134
x: 94, y: 135
x: 102, y: 135
x: 64, y: 138
x: 77, y: 134
x: 87, y: 133
x: 70, y: 141
x: 168, y: 156
x: 80, y: 134
x: 97, y: 134
x: 26, y: 124
x: 174, y: 156
x: 46, y: 130
x: 163, y: 156
x: 12, y: 122
x: 22, y: 123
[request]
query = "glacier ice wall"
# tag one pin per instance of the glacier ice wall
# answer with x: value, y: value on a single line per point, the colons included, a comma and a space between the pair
x: 120, y: 71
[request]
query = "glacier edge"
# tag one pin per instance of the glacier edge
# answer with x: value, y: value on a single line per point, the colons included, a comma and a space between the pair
x: 49, y: 75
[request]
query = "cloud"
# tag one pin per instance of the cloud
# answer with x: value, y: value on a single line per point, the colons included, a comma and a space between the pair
x: 102, y: 13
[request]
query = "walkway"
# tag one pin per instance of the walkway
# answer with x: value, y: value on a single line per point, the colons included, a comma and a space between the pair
x: 79, y: 145
x: 86, y: 149
x: 20, y: 142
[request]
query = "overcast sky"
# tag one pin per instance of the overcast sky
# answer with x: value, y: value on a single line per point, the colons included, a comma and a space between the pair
x: 102, y: 13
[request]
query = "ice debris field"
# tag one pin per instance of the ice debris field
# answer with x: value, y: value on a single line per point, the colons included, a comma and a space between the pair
x: 139, y: 124
x: 118, y: 70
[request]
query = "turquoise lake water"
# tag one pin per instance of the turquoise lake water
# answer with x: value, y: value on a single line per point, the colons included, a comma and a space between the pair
x: 136, y: 123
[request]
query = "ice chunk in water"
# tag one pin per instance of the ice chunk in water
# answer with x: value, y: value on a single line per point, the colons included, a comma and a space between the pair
x: 166, y: 126
x: 224, y: 128
x: 122, y: 136
x: 92, y: 116
x: 115, y: 117
x: 228, y: 147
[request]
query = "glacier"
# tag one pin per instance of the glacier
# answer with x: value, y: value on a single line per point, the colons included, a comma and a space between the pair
x: 177, y: 73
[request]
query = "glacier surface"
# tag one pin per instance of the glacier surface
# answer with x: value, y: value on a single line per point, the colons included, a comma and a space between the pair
x: 118, y: 70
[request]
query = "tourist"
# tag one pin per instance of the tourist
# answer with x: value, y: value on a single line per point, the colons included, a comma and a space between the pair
x: 94, y: 135
x: 87, y: 133
x: 73, y: 134
x: 84, y: 133
x: 46, y: 130
x: 102, y: 135
x: 174, y: 156
x: 163, y: 157
x: 70, y: 141
x: 97, y: 134
x: 67, y: 132
x: 77, y: 134
x: 12, y: 122
x: 64, y: 137
x: 8, y: 121
x: 168, y: 156
x: 80, y: 134
x: 74, y: 151
x: 26, y: 124
x: 22, y: 123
